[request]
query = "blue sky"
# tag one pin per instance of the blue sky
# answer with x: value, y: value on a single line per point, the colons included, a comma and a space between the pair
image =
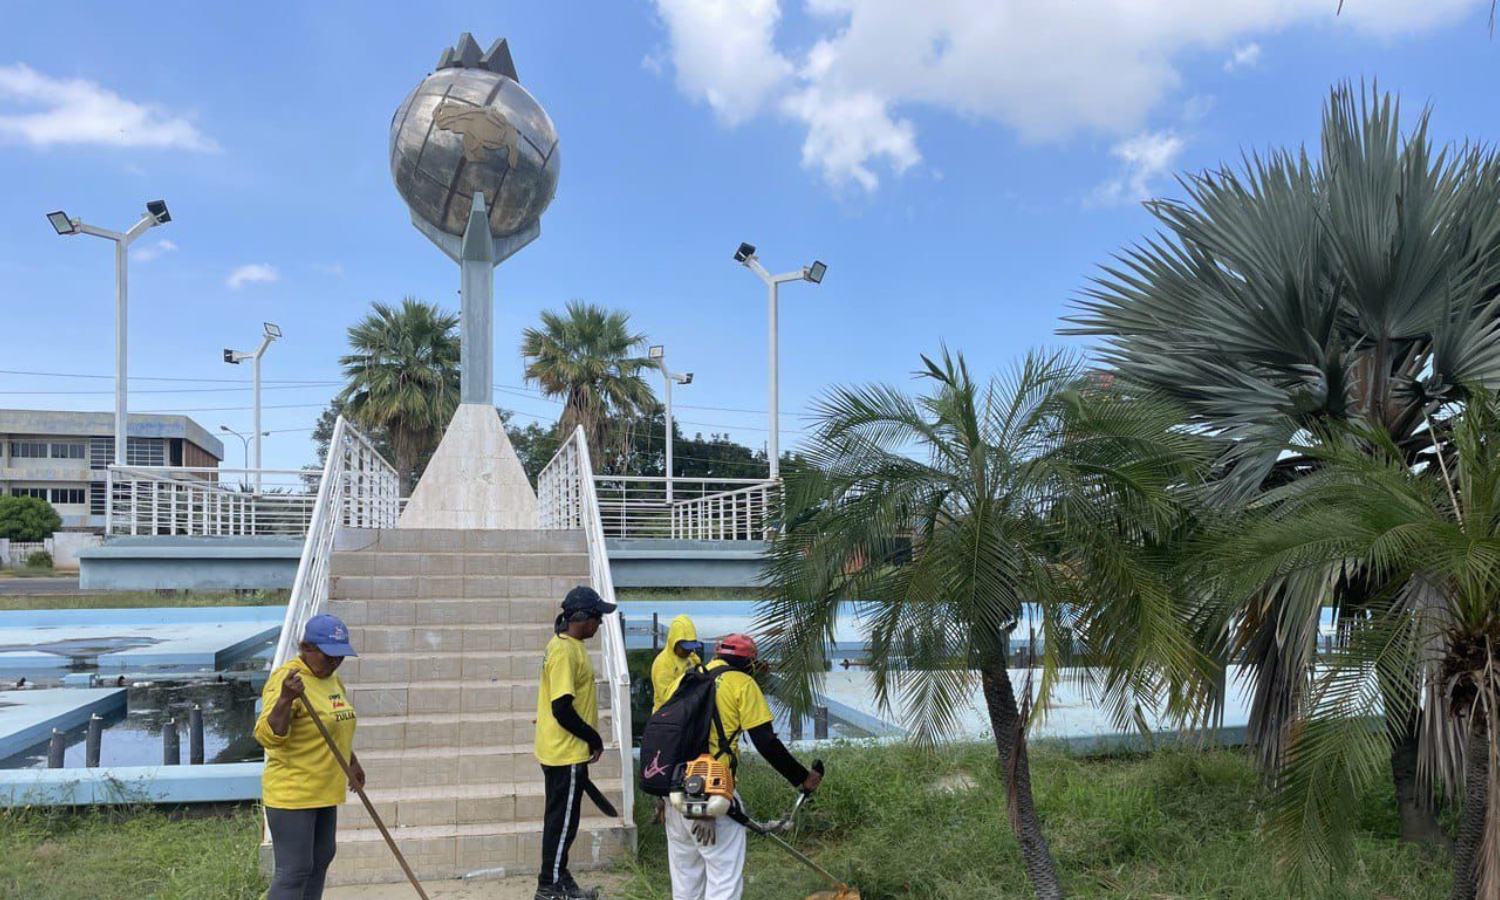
x: 963, y: 166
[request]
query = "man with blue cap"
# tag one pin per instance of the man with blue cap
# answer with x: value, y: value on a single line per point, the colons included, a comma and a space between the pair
x: 567, y: 739
x: 302, y: 785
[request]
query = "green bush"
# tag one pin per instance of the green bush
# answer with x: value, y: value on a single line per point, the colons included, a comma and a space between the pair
x: 39, y: 560
x: 27, y: 519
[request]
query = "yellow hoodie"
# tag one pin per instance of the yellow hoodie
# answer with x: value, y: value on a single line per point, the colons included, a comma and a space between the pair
x: 668, y: 666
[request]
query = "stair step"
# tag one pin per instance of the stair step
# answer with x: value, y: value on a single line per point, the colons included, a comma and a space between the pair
x: 439, y: 852
x: 444, y: 611
x: 453, y: 730
x: 416, y: 586
x: 451, y: 540
x: 450, y: 638
x: 447, y: 666
x: 409, y: 807
x: 434, y: 766
x: 403, y: 698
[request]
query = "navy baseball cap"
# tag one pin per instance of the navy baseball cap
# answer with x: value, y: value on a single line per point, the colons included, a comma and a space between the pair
x: 584, y: 599
x: 329, y: 634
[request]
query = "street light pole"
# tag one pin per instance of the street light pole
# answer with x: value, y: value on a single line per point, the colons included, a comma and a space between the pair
x: 269, y: 333
x: 156, y: 214
x: 746, y: 257
x: 658, y: 353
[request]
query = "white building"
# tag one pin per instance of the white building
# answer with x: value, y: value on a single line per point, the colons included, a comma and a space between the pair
x: 62, y: 457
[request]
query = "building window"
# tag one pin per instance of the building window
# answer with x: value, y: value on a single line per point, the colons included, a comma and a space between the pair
x: 138, y: 452
x: 69, y: 496
x: 47, y: 450
x: 38, y: 492
x: 96, y: 498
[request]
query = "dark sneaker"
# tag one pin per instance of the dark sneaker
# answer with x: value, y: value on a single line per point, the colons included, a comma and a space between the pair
x: 573, y: 891
x: 550, y: 892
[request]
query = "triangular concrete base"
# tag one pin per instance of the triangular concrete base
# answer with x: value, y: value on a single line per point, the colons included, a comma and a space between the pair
x: 475, y: 479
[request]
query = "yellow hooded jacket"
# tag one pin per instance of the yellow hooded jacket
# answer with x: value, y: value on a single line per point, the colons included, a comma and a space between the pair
x: 668, y: 666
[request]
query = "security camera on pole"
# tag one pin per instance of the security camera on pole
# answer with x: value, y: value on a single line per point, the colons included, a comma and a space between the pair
x: 659, y: 354
x: 269, y: 333
x: 745, y: 256
x: 155, y: 214
x: 476, y: 159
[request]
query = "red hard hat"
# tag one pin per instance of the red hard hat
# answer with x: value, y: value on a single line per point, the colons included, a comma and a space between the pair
x: 741, y: 645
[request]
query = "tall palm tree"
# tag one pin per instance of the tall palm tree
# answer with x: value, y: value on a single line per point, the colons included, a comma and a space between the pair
x: 958, y: 513
x: 1431, y: 537
x: 1357, y: 284
x: 402, y: 377
x: 588, y: 356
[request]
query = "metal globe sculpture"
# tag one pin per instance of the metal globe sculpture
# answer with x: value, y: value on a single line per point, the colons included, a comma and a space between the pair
x: 467, y: 128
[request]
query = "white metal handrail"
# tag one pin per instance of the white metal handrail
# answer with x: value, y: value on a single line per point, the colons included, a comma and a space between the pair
x: 700, y: 508
x: 567, y: 501
x: 208, y: 501
x: 359, y: 489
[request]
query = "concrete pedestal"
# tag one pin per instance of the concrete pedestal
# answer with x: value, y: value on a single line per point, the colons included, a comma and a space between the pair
x: 475, y: 479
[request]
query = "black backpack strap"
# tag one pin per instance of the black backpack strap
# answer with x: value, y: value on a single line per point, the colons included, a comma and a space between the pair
x: 726, y: 746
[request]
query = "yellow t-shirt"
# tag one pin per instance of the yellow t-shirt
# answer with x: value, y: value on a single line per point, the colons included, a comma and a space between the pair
x: 565, y: 670
x: 668, y: 667
x: 300, y: 772
x: 742, y: 706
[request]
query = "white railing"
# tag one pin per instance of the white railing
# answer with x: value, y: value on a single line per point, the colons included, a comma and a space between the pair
x: 724, y: 509
x: 209, y: 502
x: 567, y: 500
x: 359, y: 489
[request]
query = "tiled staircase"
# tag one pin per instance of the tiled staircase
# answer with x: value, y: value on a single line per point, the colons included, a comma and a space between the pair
x: 450, y: 626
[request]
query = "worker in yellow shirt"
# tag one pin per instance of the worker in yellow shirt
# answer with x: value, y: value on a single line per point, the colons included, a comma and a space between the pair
x: 567, y: 737
x: 706, y: 857
x: 680, y: 654
x: 302, y: 785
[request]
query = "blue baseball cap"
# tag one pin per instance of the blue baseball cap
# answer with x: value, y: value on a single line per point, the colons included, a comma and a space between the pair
x: 329, y: 634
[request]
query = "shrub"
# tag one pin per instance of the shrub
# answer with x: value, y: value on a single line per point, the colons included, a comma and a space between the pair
x: 39, y: 560
x: 27, y: 519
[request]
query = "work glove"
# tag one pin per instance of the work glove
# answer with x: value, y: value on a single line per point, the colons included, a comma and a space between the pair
x: 705, y: 832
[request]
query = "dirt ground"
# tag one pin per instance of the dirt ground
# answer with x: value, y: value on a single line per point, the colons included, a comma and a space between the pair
x: 516, y: 888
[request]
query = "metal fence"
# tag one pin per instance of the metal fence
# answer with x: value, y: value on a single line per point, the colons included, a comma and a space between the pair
x: 724, y: 509
x: 209, y: 502
x: 18, y: 552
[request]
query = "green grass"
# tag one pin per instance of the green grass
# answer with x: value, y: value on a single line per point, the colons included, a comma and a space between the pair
x: 1176, y: 825
x: 1171, y: 825
x: 143, y: 854
x: 134, y: 599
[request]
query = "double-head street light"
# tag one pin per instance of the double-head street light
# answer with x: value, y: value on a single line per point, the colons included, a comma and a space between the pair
x: 155, y: 214
x: 814, y: 272
x: 269, y: 333
x: 244, y: 439
x: 658, y: 355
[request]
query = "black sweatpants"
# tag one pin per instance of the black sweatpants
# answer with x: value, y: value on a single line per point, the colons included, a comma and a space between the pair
x: 560, y: 824
x: 303, y: 843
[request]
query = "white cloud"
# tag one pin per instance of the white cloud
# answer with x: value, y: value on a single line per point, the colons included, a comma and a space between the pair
x: 155, y: 251
x: 43, y: 111
x: 1246, y: 57
x: 1144, y: 159
x: 332, y: 268
x: 252, y: 272
x: 1046, y: 69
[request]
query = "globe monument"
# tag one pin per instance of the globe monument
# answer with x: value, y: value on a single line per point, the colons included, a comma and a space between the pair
x: 475, y: 157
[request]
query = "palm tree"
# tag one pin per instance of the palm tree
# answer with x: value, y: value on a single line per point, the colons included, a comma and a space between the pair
x: 1354, y: 285
x: 958, y: 513
x: 402, y: 378
x: 587, y: 356
x: 1431, y: 537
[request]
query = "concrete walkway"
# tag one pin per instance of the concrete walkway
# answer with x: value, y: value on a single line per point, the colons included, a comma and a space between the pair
x: 521, y: 887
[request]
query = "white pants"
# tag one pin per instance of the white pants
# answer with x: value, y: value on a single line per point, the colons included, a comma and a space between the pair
x: 705, y: 873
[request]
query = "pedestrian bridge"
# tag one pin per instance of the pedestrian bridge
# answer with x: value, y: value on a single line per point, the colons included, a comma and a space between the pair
x: 173, y: 528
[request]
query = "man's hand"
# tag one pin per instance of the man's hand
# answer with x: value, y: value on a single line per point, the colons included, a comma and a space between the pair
x: 705, y: 831
x: 595, y: 756
x: 292, y: 687
x: 356, y: 774
x: 810, y: 784
x: 658, y: 810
